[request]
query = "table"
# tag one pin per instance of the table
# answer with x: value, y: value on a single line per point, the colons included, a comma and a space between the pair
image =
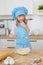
x: 22, y: 60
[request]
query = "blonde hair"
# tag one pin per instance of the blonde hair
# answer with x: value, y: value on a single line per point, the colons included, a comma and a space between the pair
x: 25, y: 21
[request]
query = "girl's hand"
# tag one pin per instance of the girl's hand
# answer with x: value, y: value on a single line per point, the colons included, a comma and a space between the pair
x: 25, y: 26
x: 12, y: 36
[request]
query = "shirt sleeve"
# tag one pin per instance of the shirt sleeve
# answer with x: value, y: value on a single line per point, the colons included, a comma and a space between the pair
x: 13, y: 28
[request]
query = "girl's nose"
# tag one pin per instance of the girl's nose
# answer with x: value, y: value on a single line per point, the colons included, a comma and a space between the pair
x: 21, y: 18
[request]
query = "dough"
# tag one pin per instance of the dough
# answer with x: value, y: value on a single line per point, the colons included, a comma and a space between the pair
x: 23, y: 51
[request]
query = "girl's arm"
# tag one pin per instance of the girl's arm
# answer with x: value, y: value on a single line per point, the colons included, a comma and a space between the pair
x: 12, y: 32
x: 27, y: 28
x: 24, y: 25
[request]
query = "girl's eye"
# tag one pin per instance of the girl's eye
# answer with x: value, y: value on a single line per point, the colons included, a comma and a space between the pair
x: 19, y: 15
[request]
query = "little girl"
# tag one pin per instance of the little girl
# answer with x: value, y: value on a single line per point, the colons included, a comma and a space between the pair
x: 23, y: 45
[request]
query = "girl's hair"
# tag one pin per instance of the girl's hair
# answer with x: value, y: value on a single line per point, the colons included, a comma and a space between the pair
x: 25, y: 21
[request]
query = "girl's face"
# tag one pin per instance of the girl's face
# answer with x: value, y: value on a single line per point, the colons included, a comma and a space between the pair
x: 21, y: 18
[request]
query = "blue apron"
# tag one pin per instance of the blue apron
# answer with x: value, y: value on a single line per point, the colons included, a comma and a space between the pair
x: 22, y: 40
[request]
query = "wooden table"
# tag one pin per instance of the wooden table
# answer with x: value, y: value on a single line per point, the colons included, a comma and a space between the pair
x: 22, y: 60
x: 34, y: 37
